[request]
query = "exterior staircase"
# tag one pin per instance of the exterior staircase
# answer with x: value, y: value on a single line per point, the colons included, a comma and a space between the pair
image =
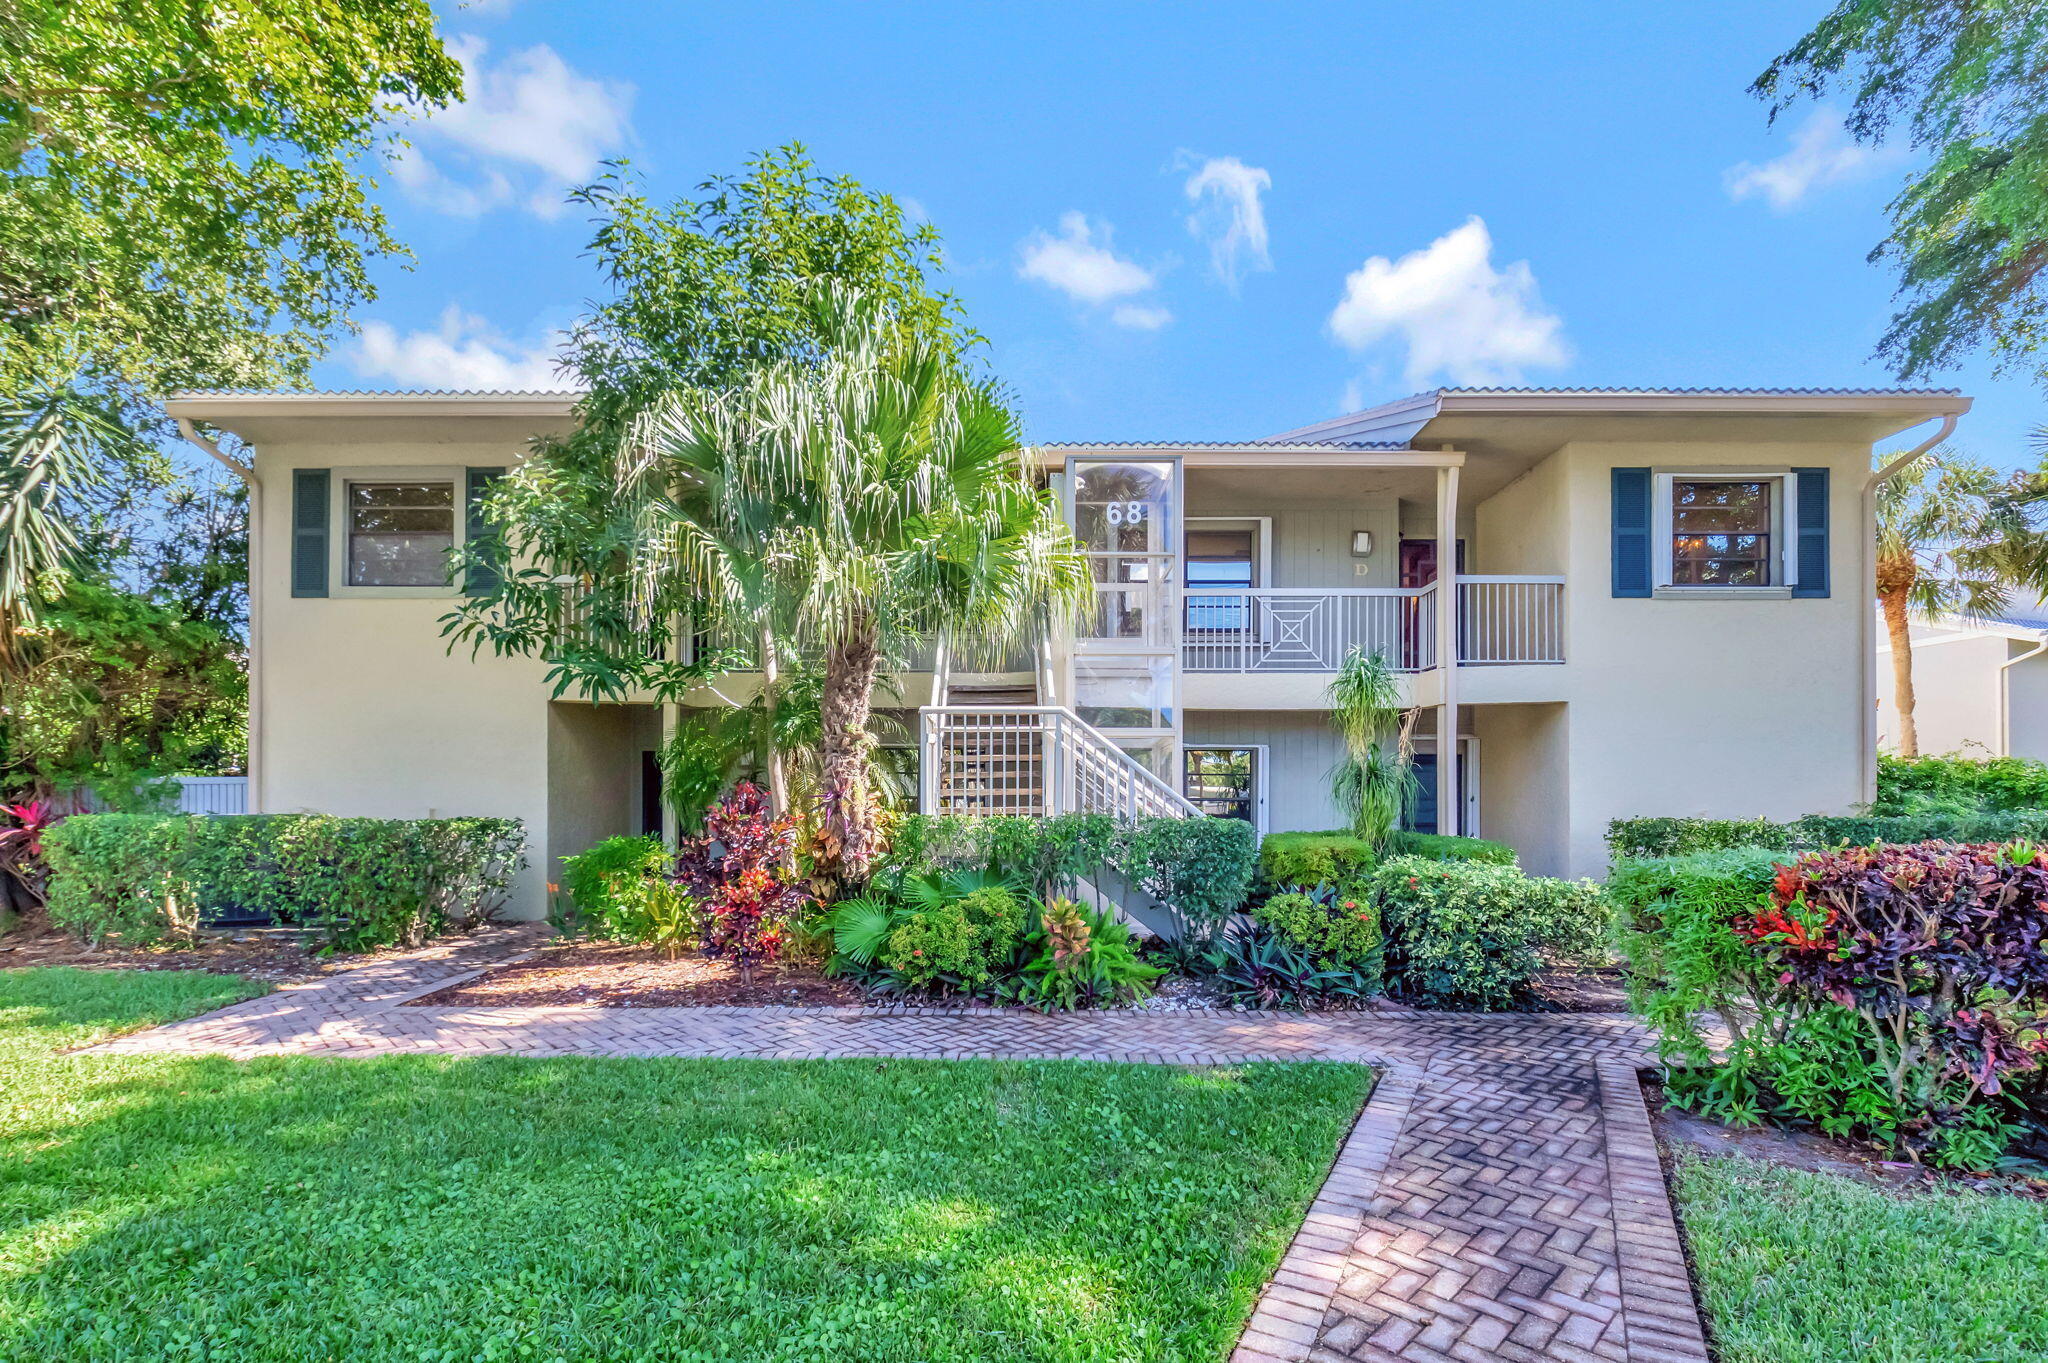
x: 995, y: 744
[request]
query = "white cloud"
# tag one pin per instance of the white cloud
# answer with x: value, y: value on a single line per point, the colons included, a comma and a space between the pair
x: 1080, y: 266
x: 1822, y: 154
x: 1457, y: 315
x: 1229, y: 216
x: 1080, y: 263
x: 463, y: 352
x: 1140, y: 317
x: 528, y: 128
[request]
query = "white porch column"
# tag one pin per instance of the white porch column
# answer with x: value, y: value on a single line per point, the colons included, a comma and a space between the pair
x: 1449, y: 815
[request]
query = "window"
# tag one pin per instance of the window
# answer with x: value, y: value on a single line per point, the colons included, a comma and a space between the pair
x: 1222, y: 782
x: 400, y: 533
x: 1223, y: 562
x: 1724, y: 531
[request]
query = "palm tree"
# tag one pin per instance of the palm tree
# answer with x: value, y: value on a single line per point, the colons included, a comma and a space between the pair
x: 911, y: 513
x: 1370, y: 783
x: 1953, y: 538
x: 53, y: 447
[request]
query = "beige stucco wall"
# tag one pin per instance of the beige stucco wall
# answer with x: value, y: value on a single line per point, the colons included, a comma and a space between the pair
x: 1722, y: 708
x: 364, y: 710
x: 1524, y: 763
x: 594, y: 756
x: 1955, y: 684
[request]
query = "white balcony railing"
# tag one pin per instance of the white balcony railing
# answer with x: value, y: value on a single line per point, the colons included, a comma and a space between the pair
x: 1280, y: 629
x: 1510, y: 620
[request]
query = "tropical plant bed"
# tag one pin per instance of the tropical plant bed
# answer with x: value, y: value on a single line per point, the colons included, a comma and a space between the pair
x: 444, y: 1207
x: 608, y: 975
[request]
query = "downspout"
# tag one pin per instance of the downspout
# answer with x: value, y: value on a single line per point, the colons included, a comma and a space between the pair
x: 2005, y: 694
x: 247, y: 473
x: 1867, y: 616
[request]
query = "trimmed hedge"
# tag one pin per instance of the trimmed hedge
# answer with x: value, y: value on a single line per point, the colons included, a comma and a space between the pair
x: 1913, y: 785
x: 1335, y: 856
x: 362, y: 883
x: 1660, y: 837
x: 1471, y: 934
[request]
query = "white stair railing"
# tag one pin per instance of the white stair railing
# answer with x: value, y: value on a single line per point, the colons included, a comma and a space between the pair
x: 1033, y: 760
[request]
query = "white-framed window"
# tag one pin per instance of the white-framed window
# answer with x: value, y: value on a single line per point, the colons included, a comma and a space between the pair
x: 1725, y: 530
x: 1226, y: 782
x: 395, y: 528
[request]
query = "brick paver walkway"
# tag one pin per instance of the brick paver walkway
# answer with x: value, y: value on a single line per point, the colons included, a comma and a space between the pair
x: 1500, y: 1198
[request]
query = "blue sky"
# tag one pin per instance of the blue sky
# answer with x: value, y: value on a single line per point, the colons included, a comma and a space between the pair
x: 1383, y: 197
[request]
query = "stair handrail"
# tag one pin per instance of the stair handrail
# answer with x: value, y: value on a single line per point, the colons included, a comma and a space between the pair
x: 1083, y: 740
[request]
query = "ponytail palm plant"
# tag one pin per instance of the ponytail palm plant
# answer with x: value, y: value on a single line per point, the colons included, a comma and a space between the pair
x: 1371, y: 781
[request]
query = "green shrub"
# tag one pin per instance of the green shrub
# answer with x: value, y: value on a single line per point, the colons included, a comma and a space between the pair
x: 1677, y: 837
x: 621, y: 892
x: 937, y: 946
x: 1313, y: 858
x: 1337, y: 926
x: 1448, y: 847
x: 1661, y: 837
x: 1922, y: 785
x: 955, y: 931
x: 1201, y: 868
x: 1463, y: 934
x: 361, y: 883
x: 1332, y: 857
x: 1673, y: 921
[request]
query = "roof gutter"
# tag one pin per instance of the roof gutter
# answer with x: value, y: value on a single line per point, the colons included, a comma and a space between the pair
x: 2005, y: 693
x: 247, y: 473
x: 1867, y: 628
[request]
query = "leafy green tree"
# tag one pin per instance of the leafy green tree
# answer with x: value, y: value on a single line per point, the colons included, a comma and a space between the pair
x: 114, y: 690
x: 1954, y: 537
x: 706, y: 293
x: 1965, y: 82
x: 182, y: 204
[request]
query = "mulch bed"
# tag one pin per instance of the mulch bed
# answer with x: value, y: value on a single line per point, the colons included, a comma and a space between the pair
x: 274, y: 955
x: 608, y: 976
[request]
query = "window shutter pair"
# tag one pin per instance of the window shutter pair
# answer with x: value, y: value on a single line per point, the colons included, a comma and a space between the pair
x: 1631, y: 529
x: 311, y: 502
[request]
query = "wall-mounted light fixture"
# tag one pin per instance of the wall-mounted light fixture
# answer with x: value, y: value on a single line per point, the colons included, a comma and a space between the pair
x: 1361, y: 544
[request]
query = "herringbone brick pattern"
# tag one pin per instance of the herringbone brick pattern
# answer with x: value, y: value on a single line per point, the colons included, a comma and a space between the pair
x: 1500, y: 1197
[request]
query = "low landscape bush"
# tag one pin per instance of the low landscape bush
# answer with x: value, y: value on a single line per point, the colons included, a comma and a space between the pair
x: 360, y: 883
x: 1916, y: 785
x: 1670, y: 837
x: 620, y: 891
x: 733, y: 872
x: 1471, y: 934
x: 1897, y: 993
x: 961, y: 941
x: 1305, y: 945
x: 1332, y: 857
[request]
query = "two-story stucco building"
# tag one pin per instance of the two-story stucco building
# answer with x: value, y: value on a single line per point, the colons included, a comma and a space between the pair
x: 1606, y: 602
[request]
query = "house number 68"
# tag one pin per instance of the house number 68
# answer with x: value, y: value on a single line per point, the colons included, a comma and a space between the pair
x: 1126, y: 513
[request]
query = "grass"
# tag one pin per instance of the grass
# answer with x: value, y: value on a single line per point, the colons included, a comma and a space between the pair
x: 1798, y: 1267
x: 497, y: 1208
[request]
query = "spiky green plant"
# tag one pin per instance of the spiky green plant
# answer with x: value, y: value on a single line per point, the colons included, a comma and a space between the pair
x: 1371, y: 782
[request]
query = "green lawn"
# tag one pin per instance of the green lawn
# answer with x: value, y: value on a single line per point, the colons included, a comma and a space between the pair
x: 1814, y: 1268
x: 456, y: 1209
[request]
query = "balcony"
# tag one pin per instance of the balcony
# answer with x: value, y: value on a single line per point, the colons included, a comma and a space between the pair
x: 1502, y: 621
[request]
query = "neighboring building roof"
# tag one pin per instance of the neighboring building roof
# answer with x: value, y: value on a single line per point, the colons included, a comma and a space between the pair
x: 226, y: 404
x: 1221, y: 444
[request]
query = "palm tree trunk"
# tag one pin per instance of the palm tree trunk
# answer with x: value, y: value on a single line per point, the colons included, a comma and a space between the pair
x: 771, y: 686
x: 849, y: 815
x: 1900, y: 627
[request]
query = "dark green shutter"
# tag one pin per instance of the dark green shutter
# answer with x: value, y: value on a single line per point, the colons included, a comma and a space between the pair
x: 484, y: 572
x: 1812, y: 530
x: 1631, y: 532
x: 309, y: 531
